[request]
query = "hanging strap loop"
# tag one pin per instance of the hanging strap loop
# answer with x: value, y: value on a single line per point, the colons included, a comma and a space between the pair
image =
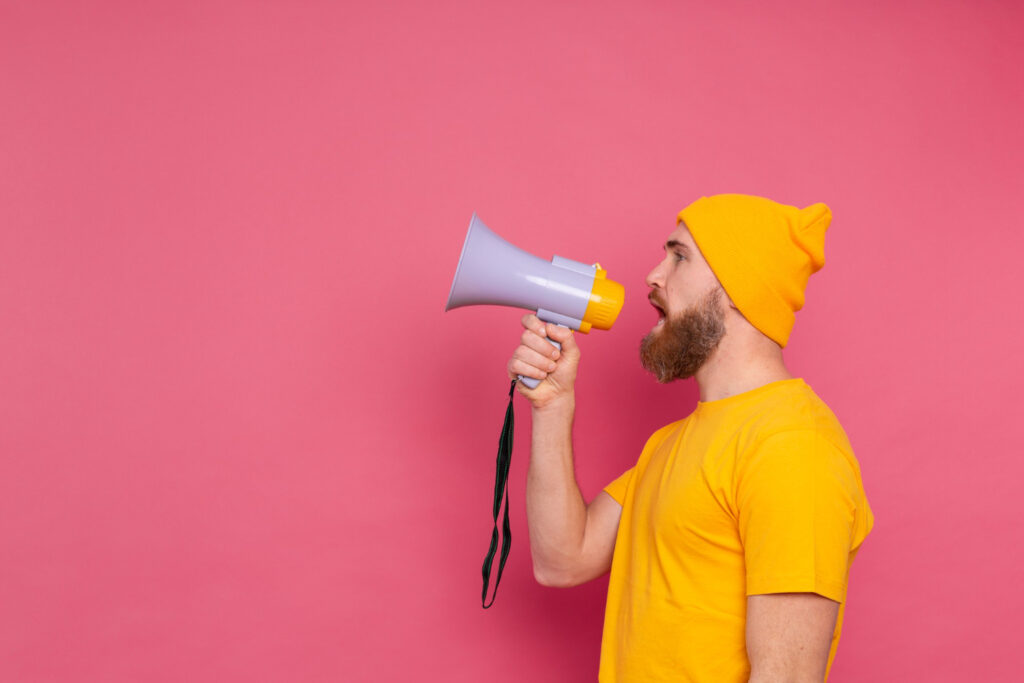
x: 500, y: 491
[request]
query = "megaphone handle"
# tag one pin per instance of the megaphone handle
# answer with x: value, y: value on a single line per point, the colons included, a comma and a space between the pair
x: 530, y: 381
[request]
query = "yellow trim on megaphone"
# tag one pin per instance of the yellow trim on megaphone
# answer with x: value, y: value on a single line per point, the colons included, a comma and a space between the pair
x: 606, y: 299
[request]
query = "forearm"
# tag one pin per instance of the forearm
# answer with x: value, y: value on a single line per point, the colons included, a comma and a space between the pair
x: 555, y: 509
x: 763, y: 676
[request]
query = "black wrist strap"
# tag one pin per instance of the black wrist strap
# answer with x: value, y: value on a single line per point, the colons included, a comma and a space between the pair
x: 500, y: 491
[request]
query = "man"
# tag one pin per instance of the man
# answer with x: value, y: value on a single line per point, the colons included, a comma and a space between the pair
x: 730, y: 540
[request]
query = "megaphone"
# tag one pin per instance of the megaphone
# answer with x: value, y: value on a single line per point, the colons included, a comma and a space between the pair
x: 492, y: 271
x: 565, y: 292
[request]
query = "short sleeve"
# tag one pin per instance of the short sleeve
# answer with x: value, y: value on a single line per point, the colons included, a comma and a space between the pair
x: 617, y: 489
x: 797, y: 497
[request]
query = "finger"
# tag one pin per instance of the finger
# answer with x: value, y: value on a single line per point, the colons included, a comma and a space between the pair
x: 540, y: 344
x: 517, y: 366
x: 537, y: 360
x: 531, y: 322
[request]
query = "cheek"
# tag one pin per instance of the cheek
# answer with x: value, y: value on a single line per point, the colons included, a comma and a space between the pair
x: 677, y: 303
x: 680, y: 287
x: 688, y: 283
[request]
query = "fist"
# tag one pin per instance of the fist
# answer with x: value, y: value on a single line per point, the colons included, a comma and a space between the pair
x: 538, y: 358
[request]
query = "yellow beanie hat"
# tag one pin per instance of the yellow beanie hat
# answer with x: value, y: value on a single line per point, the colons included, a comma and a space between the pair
x: 762, y: 252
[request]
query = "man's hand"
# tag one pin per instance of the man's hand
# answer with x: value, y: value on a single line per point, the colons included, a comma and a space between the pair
x: 538, y: 358
x: 789, y: 636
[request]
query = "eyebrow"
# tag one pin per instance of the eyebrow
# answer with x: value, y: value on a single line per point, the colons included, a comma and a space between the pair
x: 672, y: 244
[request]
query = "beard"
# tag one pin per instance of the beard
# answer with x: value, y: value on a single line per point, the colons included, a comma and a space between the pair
x: 684, y: 343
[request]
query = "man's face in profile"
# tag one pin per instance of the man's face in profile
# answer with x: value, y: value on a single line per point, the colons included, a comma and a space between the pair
x: 691, y: 322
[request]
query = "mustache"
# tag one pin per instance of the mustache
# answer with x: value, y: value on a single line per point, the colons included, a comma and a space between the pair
x: 656, y: 299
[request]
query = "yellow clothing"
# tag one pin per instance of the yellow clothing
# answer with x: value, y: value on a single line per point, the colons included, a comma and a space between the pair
x: 755, y: 493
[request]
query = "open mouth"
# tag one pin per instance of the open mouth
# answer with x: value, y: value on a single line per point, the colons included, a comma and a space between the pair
x: 659, y: 309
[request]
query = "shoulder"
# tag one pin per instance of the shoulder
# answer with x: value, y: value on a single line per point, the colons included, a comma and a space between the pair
x: 796, y: 430
x: 666, y: 432
x: 661, y: 436
x: 798, y: 414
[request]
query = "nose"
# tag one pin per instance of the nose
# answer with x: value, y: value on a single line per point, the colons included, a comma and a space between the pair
x: 656, y: 277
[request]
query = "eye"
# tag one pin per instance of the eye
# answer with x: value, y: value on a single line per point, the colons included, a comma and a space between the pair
x: 679, y: 257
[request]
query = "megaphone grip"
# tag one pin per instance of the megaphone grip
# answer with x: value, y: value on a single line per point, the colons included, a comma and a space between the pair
x: 530, y: 381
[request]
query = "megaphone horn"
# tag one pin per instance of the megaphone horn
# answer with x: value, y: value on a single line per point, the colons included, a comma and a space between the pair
x: 492, y: 271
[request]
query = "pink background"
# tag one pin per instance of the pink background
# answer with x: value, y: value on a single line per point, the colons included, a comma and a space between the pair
x: 239, y: 440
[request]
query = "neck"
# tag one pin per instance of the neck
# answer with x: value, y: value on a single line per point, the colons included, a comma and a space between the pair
x: 740, y: 364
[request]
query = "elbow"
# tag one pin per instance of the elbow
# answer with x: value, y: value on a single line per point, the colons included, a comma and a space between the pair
x: 553, y: 579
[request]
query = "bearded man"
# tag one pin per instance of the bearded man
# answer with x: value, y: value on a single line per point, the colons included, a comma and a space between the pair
x: 730, y: 540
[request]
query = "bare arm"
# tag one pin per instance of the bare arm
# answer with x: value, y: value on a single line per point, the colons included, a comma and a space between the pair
x: 571, y: 542
x: 789, y: 636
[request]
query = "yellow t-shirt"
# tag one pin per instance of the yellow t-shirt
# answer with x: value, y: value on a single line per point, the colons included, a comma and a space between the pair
x: 755, y: 493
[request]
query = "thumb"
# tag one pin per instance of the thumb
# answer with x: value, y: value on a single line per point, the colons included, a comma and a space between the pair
x: 564, y: 336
